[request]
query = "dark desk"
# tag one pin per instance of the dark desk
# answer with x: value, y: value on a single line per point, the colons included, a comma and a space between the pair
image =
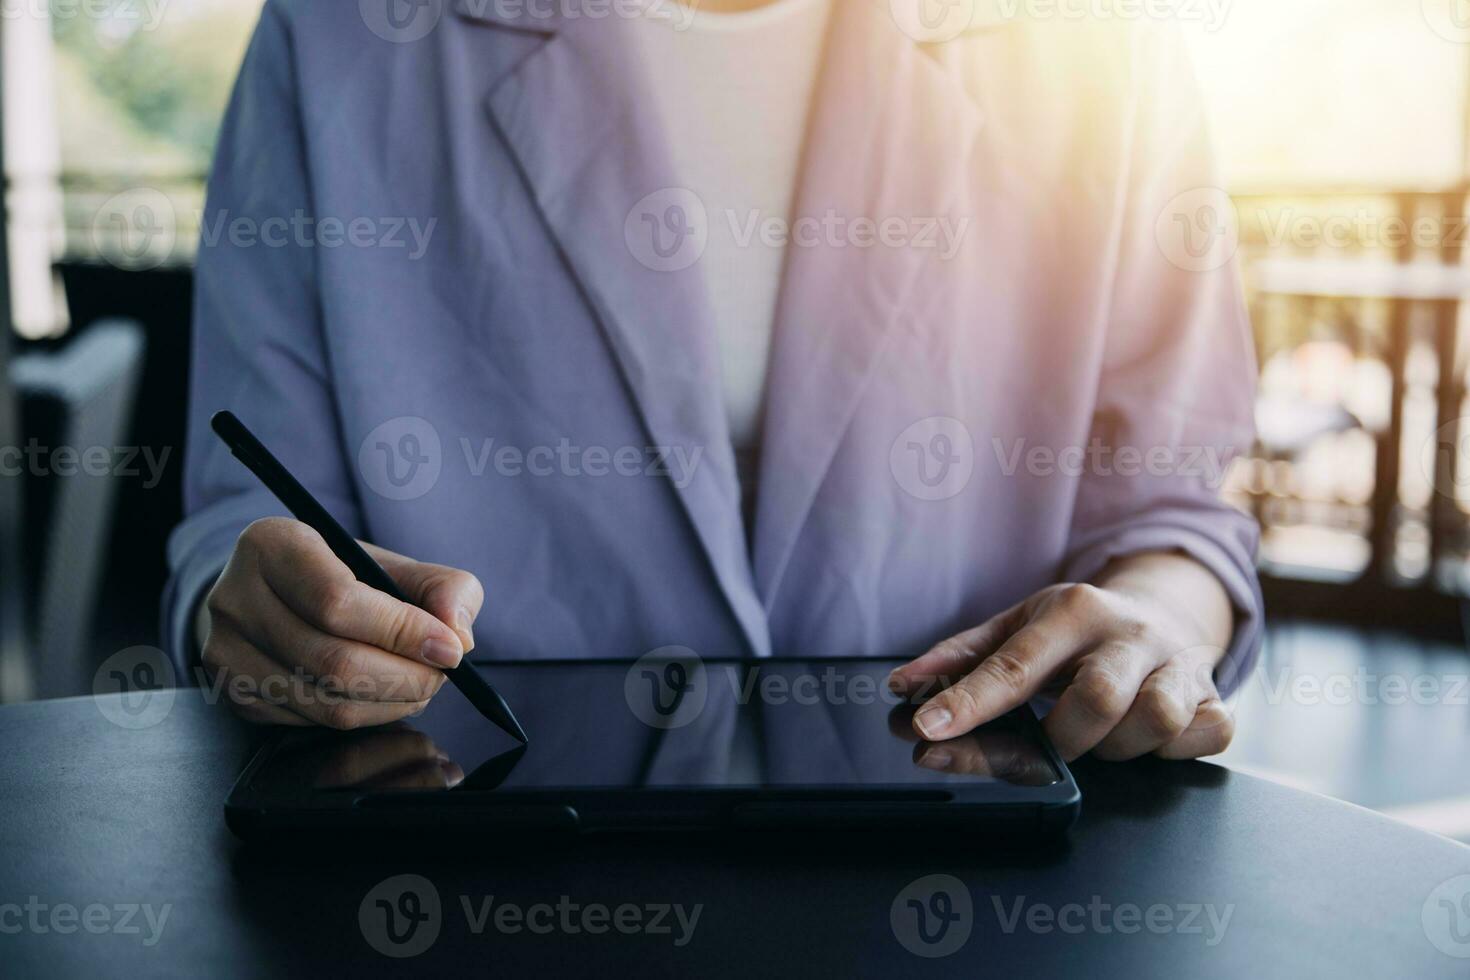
x: 95, y: 815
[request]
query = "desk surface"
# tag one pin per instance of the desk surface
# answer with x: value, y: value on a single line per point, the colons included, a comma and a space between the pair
x: 99, y: 819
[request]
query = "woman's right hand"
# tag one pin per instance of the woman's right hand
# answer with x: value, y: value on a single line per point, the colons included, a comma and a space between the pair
x: 292, y: 638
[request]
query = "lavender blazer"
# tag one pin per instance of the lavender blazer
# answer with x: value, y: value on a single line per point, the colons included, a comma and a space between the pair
x: 450, y: 276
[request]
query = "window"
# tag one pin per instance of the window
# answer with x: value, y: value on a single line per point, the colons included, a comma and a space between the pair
x: 1357, y: 93
x: 117, y: 104
x: 1340, y: 129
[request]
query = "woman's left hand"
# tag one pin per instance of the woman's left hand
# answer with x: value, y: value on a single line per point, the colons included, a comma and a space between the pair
x: 1133, y: 657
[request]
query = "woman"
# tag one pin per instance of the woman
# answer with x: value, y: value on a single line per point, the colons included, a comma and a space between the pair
x: 807, y: 328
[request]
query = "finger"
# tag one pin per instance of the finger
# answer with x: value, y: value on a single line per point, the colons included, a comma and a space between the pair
x: 451, y: 595
x: 1005, y: 680
x: 255, y: 686
x: 345, y: 714
x: 954, y: 657
x: 261, y: 713
x: 248, y: 676
x: 302, y: 571
x: 1210, y: 733
x: 1097, y: 698
x: 353, y: 669
x: 1162, y: 711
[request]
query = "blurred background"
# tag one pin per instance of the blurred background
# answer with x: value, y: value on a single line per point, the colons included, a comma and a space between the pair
x: 1343, y: 133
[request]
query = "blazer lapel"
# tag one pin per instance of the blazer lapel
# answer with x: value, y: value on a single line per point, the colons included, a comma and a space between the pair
x: 889, y: 136
x: 596, y: 161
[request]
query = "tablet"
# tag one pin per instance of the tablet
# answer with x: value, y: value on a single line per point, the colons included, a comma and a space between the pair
x: 666, y: 742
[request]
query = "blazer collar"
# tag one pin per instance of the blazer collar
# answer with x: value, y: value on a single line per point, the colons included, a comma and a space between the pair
x: 888, y: 134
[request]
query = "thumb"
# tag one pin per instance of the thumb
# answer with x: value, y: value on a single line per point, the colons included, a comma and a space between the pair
x: 451, y: 595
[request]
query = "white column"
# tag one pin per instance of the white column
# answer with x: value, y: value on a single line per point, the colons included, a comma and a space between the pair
x: 33, y: 166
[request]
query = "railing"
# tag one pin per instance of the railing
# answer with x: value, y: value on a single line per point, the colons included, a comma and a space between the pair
x: 132, y: 221
x: 1356, y: 298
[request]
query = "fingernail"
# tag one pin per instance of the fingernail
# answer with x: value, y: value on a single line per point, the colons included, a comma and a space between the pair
x: 466, y: 624
x: 895, y: 683
x: 441, y: 653
x: 932, y: 721
x: 453, y: 774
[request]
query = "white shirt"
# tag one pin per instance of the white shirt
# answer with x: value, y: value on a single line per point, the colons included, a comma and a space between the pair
x: 733, y: 90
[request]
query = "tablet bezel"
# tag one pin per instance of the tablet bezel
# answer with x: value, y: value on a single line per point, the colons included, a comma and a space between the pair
x: 997, y: 806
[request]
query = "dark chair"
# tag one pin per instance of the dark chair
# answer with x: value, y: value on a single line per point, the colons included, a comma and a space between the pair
x: 15, y: 673
x: 80, y: 396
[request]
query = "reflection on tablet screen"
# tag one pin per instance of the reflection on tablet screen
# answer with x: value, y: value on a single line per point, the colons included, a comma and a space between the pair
x: 666, y: 724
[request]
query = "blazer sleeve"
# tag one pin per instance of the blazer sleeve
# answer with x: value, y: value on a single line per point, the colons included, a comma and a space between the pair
x: 1175, y: 396
x: 258, y: 346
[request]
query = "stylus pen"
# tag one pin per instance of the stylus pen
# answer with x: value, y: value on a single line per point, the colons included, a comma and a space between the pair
x: 279, y: 481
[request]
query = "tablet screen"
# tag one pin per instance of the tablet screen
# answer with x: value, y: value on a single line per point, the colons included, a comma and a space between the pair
x: 665, y: 722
